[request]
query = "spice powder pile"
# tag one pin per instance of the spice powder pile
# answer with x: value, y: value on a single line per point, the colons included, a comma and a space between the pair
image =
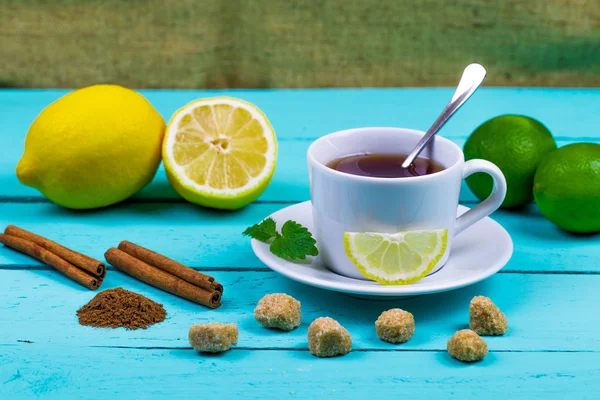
x: 118, y: 307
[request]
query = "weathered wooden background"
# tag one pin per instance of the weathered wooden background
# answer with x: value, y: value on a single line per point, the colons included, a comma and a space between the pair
x: 297, y: 43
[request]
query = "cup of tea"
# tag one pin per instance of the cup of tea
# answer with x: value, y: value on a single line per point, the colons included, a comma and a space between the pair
x: 357, y: 184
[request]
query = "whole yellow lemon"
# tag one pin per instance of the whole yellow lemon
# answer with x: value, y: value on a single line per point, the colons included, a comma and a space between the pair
x: 93, y: 147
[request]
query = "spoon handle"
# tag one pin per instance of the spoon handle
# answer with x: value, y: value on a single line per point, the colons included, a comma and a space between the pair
x: 471, y: 78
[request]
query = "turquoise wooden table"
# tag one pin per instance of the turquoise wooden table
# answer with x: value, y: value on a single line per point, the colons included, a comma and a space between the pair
x: 549, y: 290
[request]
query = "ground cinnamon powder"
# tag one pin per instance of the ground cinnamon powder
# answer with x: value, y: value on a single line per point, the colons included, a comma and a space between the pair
x: 118, y: 307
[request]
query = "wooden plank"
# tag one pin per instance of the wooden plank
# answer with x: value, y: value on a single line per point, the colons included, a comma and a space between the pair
x: 289, y: 184
x: 300, y: 116
x: 302, y: 43
x: 542, y: 310
x: 59, y: 372
x: 207, y: 239
x: 311, y: 113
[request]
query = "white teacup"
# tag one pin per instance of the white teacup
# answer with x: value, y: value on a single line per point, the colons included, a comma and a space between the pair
x: 343, y: 202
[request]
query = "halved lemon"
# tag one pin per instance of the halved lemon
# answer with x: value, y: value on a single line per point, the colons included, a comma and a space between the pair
x: 220, y: 152
x: 396, y: 258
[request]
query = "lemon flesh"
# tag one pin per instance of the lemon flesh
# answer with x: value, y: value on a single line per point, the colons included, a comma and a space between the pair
x: 93, y: 147
x: 220, y: 152
x: 398, y: 258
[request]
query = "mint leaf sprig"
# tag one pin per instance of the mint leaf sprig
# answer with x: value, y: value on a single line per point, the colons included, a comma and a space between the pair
x: 294, y: 242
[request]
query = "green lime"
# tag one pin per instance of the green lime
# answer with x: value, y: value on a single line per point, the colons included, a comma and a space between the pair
x: 516, y: 144
x: 567, y: 187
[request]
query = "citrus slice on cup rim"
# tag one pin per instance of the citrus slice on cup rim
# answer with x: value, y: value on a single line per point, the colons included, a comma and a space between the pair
x: 396, y: 258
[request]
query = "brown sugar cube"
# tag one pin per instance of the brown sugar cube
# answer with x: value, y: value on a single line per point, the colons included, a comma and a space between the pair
x: 467, y: 346
x: 278, y: 311
x: 213, y: 337
x: 485, y: 318
x: 327, y: 338
x: 395, y: 326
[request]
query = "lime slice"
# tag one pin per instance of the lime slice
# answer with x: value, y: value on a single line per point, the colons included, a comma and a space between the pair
x: 396, y: 259
x: 220, y: 152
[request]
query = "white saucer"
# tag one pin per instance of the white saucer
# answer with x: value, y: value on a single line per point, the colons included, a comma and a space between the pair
x: 480, y: 251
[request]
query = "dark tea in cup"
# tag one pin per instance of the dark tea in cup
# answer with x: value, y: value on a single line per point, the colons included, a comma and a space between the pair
x: 378, y: 165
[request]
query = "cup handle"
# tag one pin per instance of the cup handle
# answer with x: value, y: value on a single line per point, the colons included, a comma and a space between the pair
x: 490, y: 204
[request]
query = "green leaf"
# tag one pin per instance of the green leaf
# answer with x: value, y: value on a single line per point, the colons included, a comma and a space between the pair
x: 264, y: 231
x: 296, y: 242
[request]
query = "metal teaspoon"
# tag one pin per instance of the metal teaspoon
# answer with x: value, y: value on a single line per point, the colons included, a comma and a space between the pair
x: 471, y: 78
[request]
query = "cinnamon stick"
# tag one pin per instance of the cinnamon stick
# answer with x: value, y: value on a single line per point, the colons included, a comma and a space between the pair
x: 161, y: 279
x: 47, y: 257
x: 218, y: 287
x: 171, y: 266
x: 82, y: 261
